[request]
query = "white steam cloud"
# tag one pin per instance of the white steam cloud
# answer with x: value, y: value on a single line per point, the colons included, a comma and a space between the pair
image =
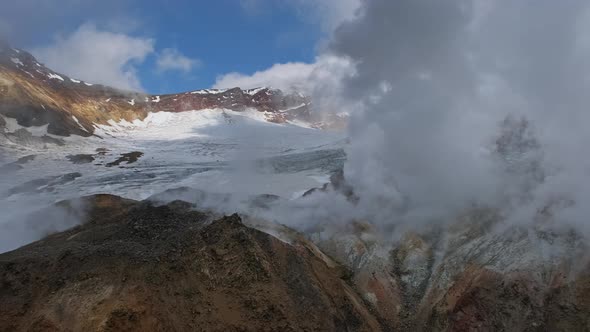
x: 321, y: 80
x: 468, y: 102
x: 98, y: 56
x: 454, y: 104
x: 171, y: 59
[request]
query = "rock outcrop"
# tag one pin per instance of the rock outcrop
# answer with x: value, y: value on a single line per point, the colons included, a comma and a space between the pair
x: 134, y: 266
x: 139, y: 266
x: 34, y: 95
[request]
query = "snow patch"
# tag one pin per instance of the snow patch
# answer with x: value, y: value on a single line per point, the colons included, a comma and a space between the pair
x: 78, y: 122
x: 55, y: 76
x: 75, y: 81
x: 12, y: 126
x: 252, y: 92
x: 17, y: 61
x: 156, y: 99
x: 26, y: 72
x: 131, y: 102
x: 88, y: 84
x: 187, y: 124
x: 209, y: 91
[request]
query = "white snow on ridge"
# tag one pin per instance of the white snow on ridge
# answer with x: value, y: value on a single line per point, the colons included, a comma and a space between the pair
x: 88, y: 84
x: 75, y: 81
x: 55, y: 76
x: 252, y: 92
x: 17, y: 61
x: 209, y: 91
x: 156, y: 99
x: 131, y: 102
x: 17, y: 51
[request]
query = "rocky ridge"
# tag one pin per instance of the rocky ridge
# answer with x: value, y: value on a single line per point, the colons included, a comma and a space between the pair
x: 32, y: 95
x: 135, y: 266
x: 144, y: 266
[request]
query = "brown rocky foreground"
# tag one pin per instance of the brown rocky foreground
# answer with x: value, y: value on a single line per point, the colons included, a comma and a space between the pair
x: 134, y: 266
x: 137, y: 267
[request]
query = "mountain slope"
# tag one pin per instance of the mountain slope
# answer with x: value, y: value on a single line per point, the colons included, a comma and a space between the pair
x: 35, y: 95
x: 142, y: 266
x: 138, y: 267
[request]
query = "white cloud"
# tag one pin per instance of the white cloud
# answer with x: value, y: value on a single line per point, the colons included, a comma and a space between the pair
x: 327, y: 13
x: 292, y: 75
x: 22, y: 21
x: 98, y: 56
x: 171, y: 59
x: 322, y: 80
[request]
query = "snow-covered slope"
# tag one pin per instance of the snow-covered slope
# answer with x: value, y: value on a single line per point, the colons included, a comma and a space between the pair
x: 219, y: 151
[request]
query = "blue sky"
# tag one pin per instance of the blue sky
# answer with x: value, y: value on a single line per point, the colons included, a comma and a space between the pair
x: 226, y: 38
x: 212, y: 37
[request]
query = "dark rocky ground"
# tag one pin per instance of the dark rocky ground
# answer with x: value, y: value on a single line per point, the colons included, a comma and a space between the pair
x: 137, y: 267
x: 144, y: 266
